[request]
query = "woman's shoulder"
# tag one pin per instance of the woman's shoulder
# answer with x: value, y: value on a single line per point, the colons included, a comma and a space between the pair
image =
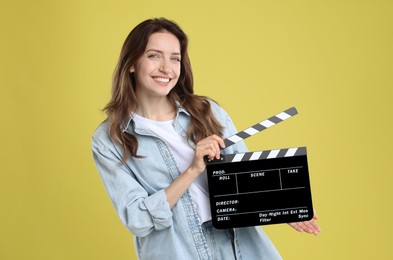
x: 101, y: 133
x: 220, y: 113
x: 217, y: 109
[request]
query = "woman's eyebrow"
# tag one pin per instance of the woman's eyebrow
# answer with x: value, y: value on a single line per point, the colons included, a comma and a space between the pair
x: 159, y: 51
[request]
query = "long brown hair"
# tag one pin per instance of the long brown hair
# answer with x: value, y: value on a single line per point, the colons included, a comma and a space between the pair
x: 124, y: 101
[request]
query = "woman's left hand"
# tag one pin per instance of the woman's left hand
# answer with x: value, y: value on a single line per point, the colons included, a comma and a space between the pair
x: 310, y: 226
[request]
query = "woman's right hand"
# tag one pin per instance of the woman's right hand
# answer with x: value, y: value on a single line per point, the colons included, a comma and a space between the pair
x: 209, y: 147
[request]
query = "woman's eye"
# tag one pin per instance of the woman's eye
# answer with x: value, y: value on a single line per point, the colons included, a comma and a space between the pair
x: 178, y: 59
x: 153, y: 55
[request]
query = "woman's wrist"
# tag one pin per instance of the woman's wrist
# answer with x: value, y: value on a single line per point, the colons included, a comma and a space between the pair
x: 193, y: 171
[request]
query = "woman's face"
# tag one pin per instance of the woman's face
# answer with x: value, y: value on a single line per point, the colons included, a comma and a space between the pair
x: 158, y: 69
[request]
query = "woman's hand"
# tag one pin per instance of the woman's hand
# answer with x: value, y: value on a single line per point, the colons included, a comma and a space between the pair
x: 310, y: 226
x: 210, y: 147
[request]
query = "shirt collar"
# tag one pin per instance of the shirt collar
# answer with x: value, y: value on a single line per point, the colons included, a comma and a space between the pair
x: 179, y: 109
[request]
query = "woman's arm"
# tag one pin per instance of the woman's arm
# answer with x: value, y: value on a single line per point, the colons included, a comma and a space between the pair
x: 138, y: 210
x: 209, y: 147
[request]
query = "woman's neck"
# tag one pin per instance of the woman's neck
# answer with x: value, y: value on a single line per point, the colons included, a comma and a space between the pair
x: 158, y: 109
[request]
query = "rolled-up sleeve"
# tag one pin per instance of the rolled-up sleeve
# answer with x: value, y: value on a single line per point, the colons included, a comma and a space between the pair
x: 140, y: 211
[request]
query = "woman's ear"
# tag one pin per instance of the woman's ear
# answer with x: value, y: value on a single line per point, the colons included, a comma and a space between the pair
x: 132, y: 69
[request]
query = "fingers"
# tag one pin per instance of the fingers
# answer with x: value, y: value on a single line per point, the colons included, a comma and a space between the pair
x: 310, y: 227
x: 315, y: 227
x: 303, y: 227
x: 215, y: 143
x: 315, y: 215
x: 296, y: 226
x: 210, y: 147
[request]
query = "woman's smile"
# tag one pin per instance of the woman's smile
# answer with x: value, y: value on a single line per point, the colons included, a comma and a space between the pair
x: 158, y: 69
x: 162, y: 80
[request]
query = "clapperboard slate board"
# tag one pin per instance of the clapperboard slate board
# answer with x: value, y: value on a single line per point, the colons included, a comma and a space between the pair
x: 260, y: 188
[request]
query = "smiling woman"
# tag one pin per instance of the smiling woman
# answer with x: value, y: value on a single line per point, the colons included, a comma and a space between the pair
x: 156, y: 72
x: 150, y: 153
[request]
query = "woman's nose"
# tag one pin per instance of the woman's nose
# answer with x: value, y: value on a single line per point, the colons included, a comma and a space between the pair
x: 165, y: 67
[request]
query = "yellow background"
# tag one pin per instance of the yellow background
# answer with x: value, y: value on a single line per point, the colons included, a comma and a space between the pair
x: 332, y: 60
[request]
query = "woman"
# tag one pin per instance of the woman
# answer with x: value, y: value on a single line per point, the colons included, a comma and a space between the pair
x: 150, y: 153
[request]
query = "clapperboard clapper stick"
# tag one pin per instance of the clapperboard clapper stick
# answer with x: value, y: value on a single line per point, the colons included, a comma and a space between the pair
x: 260, y: 188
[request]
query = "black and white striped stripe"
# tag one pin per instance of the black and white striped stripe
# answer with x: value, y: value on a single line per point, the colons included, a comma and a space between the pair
x: 240, y: 136
x: 268, y: 154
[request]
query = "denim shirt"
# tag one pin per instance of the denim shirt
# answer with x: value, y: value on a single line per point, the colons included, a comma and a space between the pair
x: 136, y: 189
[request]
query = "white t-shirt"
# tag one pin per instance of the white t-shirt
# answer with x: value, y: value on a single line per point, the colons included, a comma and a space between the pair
x: 184, y: 155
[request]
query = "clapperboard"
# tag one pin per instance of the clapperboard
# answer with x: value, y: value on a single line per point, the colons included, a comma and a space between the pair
x: 260, y: 188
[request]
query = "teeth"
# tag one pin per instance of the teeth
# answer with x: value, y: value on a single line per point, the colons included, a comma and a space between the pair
x: 164, y: 80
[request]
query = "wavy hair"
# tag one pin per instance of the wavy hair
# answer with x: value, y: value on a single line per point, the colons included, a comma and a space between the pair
x: 124, y: 100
